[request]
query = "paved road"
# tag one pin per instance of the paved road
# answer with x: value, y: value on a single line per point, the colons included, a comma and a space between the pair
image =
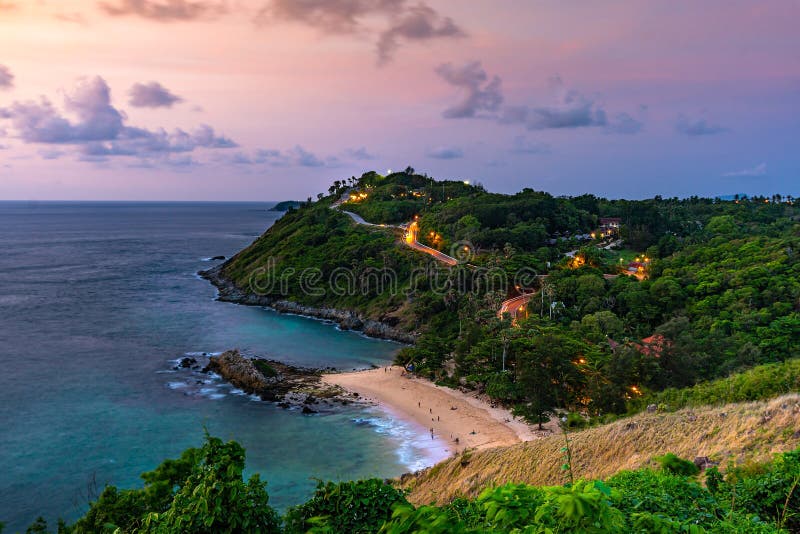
x: 512, y: 306
x: 358, y: 218
x: 442, y: 257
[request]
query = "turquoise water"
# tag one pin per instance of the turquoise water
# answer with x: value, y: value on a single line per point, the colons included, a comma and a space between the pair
x: 97, y: 300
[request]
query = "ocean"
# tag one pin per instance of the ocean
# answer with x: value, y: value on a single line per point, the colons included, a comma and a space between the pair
x: 97, y: 302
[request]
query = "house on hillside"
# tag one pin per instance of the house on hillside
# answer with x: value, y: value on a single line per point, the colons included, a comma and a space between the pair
x: 610, y: 224
x: 654, y: 345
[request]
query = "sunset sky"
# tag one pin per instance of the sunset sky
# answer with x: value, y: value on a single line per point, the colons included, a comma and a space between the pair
x: 274, y: 99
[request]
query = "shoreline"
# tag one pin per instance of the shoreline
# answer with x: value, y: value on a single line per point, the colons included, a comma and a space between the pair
x: 227, y: 291
x: 460, y: 420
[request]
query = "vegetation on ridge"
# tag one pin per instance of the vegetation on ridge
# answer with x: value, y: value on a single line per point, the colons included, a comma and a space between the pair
x: 203, y: 492
x: 716, y: 289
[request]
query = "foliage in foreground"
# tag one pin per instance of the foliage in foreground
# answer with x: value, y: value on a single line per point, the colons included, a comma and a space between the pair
x: 203, y: 492
x: 357, y: 507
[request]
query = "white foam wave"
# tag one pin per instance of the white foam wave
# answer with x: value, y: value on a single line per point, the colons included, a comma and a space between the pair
x: 415, y: 448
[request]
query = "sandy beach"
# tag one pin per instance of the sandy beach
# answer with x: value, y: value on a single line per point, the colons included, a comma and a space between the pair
x: 457, y: 419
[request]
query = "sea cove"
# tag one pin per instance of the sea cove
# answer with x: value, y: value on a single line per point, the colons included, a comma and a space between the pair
x: 98, y: 300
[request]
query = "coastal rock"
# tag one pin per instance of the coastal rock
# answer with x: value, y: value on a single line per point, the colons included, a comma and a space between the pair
x: 351, y: 322
x: 346, y: 319
x: 242, y: 373
x: 274, y: 381
x: 187, y: 363
x: 217, y: 258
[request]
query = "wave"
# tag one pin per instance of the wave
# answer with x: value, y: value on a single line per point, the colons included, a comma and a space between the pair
x: 415, y: 449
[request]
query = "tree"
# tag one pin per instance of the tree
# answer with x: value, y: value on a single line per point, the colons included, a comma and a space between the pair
x: 547, y: 373
x: 215, y: 498
x: 467, y: 226
x: 125, y: 509
x: 721, y: 225
x: 600, y: 325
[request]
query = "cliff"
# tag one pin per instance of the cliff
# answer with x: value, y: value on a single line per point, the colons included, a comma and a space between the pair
x: 346, y: 319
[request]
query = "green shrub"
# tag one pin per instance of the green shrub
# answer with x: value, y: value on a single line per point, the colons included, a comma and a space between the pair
x: 575, y: 421
x: 362, y: 506
x: 666, y: 494
x: 265, y: 368
x: 754, y: 498
x: 676, y: 465
x: 215, y: 498
x: 771, y: 490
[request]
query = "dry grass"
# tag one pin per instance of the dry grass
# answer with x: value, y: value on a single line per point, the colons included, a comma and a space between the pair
x: 735, y: 432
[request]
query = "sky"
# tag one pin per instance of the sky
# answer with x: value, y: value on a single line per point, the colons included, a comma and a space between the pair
x: 276, y: 99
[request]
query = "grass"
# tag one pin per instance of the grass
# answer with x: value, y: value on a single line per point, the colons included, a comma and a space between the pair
x: 627, y: 255
x: 750, y: 432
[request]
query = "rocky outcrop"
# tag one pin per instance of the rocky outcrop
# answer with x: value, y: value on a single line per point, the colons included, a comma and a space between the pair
x: 242, y: 373
x: 347, y: 320
x: 274, y: 381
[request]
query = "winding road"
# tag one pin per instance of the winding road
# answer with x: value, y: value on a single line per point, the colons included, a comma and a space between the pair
x: 512, y: 306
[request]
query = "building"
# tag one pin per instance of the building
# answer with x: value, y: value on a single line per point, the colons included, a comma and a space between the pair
x: 610, y: 223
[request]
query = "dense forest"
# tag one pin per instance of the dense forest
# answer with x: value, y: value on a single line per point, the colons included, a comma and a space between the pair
x: 715, y: 286
x: 203, y: 491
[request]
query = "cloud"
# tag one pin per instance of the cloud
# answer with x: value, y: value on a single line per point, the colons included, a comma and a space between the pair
x: 6, y: 78
x: 99, y: 130
x: 624, y: 124
x: 483, y: 98
x: 165, y: 10
x: 360, y: 154
x: 571, y: 110
x: 332, y: 16
x: 152, y: 95
x: 40, y: 122
x: 74, y: 18
x: 402, y: 22
x: 524, y: 146
x: 445, y: 152
x: 304, y: 158
x: 51, y: 153
x: 293, y: 157
x: 480, y: 93
x: 758, y: 170
x: 417, y: 23
x: 697, y: 127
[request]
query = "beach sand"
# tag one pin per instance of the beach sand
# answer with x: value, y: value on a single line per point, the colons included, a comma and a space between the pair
x: 451, y: 413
